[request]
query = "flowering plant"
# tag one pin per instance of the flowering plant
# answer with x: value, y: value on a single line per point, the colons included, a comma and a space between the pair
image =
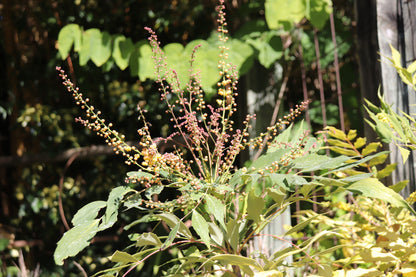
x: 214, y: 209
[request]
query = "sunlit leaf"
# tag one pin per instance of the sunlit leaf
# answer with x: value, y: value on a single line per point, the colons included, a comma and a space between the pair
x: 88, y: 213
x: 146, y: 239
x: 122, y: 257
x: 69, y: 35
x: 75, y: 240
x: 201, y: 226
x: 122, y: 50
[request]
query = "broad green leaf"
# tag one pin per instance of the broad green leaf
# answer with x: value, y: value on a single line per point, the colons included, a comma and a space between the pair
x: 277, y: 196
x: 206, y: 61
x: 147, y: 239
x: 215, y: 207
x: 155, y: 189
x: 233, y: 236
x: 75, y: 240
x: 284, y: 13
x: 122, y: 257
x: 269, y: 47
x: 88, y: 45
x: 88, y: 213
x: 216, y: 234
x: 69, y: 35
x: 102, y: 48
x: 255, y: 206
x: 319, y: 12
x: 372, y: 187
x: 139, y: 174
x: 201, y: 227
x: 122, y: 49
x: 313, y: 162
x: 240, y: 55
x: 113, y: 204
x: 172, y: 220
x: 269, y: 158
x: 172, y: 236
x: 177, y: 62
x: 141, y: 63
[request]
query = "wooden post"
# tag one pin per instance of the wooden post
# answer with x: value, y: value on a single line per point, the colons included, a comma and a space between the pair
x: 262, y: 89
x: 396, y: 26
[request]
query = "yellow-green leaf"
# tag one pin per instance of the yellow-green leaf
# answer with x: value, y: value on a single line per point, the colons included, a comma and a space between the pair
x: 351, y: 134
x: 371, y: 148
x: 360, y: 142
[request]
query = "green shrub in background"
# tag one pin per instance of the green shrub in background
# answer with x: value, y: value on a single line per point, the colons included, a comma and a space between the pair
x: 203, y: 210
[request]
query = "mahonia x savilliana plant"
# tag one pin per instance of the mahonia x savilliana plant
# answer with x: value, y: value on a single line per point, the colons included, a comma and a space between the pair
x: 208, y: 133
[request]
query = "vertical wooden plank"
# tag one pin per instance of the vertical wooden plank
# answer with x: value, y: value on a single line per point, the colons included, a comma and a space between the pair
x: 368, y: 57
x: 396, y: 27
x: 261, y: 88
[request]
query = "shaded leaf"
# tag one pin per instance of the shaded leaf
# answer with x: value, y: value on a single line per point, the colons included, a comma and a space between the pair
x: 172, y: 221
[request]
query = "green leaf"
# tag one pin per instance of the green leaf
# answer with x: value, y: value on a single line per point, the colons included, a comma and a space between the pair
x: 236, y: 260
x: 398, y: 187
x: 352, y: 134
x: 405, y: 153
x: 102, y: 48
x: 122, y: 257
x: 215, y: 207
x: 88, y: 213
x: 343, y: 151
x: 396, y: 58
x: 75, y: 240
x: 371, y: 148
x: 233, y: 236
x: 412, y: 68
x: 360, y: 142
x: 386, y: 171
x: 122, y: 49
x: 267, y: 159
x: 113, y: 203
x: 241, y: 55
x: 372, y: 187
x: 284, y: 13
x: 340, y: 143
x: 216, y: 234
x: 172, y: 220
x: 319, y: 12
x: 172, y: 236
x: 88, y: 45
x: 147, y: 239
x: 141, y: 63
x: 255, y: 205
x: 177, y: 61
x: 155, y: 189
x: 201, y: 227
x: 277, y: 196
x: 69, y: 35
